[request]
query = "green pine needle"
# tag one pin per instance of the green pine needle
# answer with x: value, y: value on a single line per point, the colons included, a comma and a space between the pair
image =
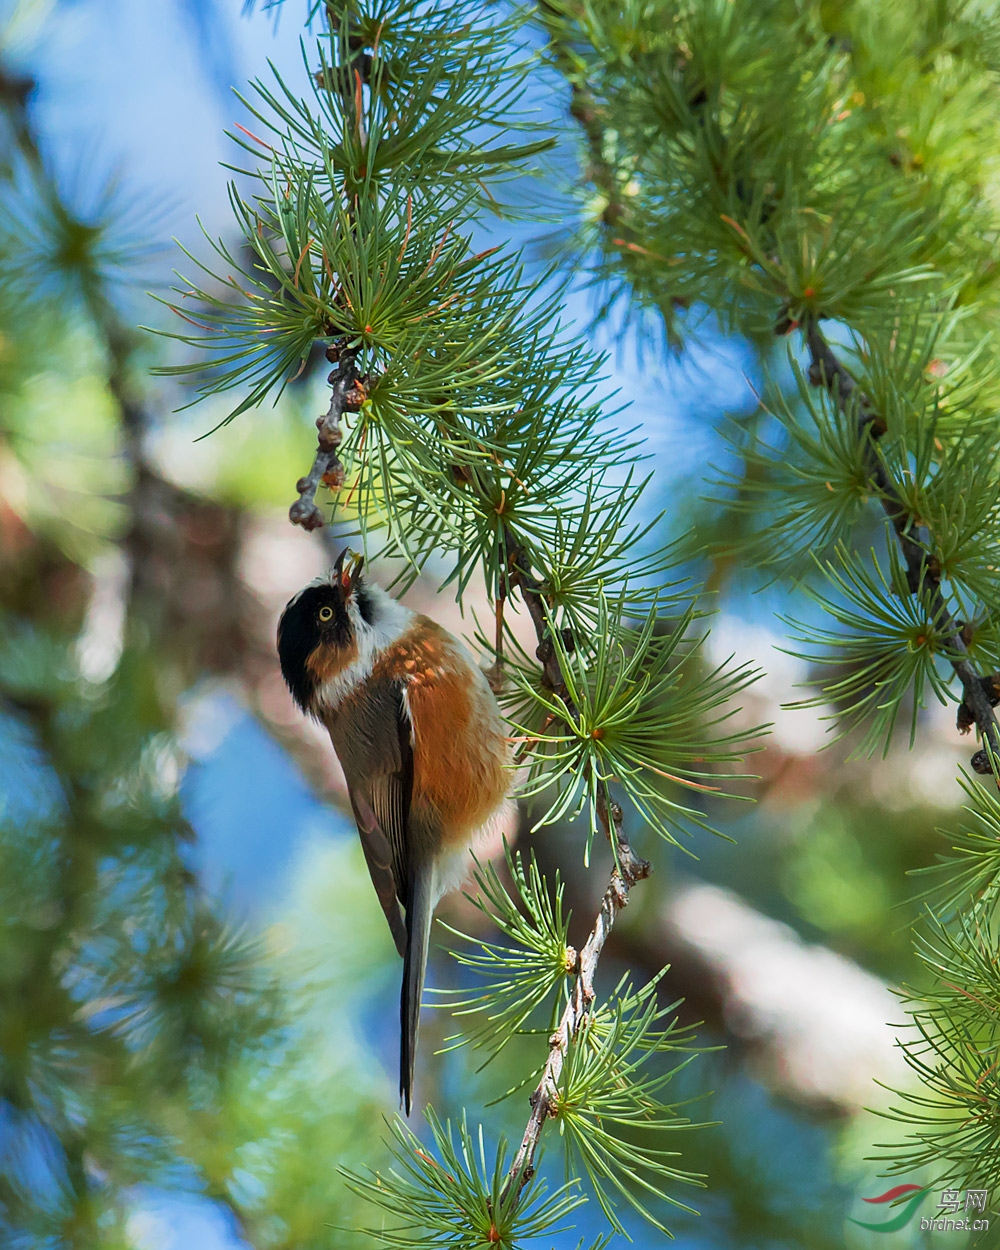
x: 644, y: 715
x: 611, y: 1117
x: 520, y: 974
x: 951, y: 1117
x: 888, y: 648
x: 972, y: 870
x: 450, y: 1196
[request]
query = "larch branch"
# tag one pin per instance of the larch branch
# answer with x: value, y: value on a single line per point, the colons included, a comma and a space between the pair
x: 628, y: 869
x: 923, y: 574
x: 544, y: 1100
x: 347, y: 395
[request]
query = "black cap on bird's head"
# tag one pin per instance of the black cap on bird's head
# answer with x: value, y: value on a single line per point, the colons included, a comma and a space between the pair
x: 316, y: 631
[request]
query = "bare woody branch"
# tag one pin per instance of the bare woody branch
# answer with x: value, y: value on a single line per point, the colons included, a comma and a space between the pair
x: 629, y: 869
x: 923, y: 575
x: 347, y: 395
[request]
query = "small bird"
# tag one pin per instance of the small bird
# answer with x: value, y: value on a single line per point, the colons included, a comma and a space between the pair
x: 423, y: 747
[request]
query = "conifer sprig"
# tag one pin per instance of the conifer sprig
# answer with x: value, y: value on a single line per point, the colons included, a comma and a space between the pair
x: 886, y: 647
x: 972, y: 868
x: 629, y: 711
x: 518, y: 976
x: 923, y: 572
x: 612, y: 1119
x: 951, y: 1121
x: 455, y: 1197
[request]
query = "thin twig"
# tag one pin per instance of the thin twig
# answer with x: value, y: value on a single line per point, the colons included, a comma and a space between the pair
x: 346, y: 396
x: 495, y: 673
x: 629, y: 869
x: 521, y: 575
x: 613, y: 181
x: 922, y: 571
x: 585, y: 110
x: 348, y: 82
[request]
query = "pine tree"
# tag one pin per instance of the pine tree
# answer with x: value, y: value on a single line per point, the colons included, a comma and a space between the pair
x: 824, y: 173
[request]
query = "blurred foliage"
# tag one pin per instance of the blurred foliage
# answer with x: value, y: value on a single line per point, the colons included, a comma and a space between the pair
x: 144, y: 1040
x: 778, y: 164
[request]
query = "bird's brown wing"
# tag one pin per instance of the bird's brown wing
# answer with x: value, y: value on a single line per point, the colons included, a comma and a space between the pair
x: 372, y: 741
x: 378, y: 855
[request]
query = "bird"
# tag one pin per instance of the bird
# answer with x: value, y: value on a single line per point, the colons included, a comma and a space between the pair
x: 422, y: 743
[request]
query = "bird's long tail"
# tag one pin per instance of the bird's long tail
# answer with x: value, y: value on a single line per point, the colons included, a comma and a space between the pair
x: 419, y: 910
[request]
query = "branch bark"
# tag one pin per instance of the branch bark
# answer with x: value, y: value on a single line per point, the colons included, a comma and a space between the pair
x: 629, y: 869
x: 348, y: 391
x: 923, y: 575
x: 347, y: 395
x: 585, y: 110
x: 522, y: 576
x: 612, y: 181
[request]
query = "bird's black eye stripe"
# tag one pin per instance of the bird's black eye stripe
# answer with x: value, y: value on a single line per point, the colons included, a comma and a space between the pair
x: 315, y: 617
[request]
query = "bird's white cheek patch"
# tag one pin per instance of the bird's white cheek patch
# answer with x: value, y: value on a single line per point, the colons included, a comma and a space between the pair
x: 392, y: 621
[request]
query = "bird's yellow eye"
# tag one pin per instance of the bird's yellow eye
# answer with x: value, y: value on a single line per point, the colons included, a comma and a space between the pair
x: 326, y: 614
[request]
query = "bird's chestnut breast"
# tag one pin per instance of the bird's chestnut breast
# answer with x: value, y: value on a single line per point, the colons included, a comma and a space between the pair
x: 459, y: 744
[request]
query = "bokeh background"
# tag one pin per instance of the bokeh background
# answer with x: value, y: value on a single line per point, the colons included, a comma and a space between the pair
x: 197, y: 992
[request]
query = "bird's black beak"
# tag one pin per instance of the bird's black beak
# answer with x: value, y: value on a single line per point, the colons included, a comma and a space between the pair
x: 348, y: 568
